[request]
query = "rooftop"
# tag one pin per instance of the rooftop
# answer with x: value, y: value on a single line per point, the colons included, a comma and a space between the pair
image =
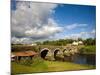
x: 25, y: 53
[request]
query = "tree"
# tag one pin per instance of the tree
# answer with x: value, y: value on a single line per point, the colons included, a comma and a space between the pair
x: 90, y: 41
x: 79, y: 39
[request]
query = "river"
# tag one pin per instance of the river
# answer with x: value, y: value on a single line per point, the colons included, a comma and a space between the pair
x: 89, y: 59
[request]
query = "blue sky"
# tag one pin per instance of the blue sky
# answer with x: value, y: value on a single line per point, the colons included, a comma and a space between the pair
x: 62, y: 20
x: 13, y: 4
x: 67, y: 14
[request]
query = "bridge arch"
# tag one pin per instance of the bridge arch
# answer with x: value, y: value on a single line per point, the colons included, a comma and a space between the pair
x: 65, y: 50
x: 44, y: 52
x: 56, y: 51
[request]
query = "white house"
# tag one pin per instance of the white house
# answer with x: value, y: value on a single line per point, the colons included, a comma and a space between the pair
x: 80, y: 43
x: 34, y: 44
x: 75, y: 43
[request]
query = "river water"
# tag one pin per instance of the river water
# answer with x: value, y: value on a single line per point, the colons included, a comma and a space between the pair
x: 89, y: 59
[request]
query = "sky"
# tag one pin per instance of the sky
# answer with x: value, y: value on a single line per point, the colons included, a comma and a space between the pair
x: 36, y: 21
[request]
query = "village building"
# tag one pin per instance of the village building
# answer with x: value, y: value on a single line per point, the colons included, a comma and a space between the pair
x: 77, y: 43
x: 34, y: 44
x: 80, y: 43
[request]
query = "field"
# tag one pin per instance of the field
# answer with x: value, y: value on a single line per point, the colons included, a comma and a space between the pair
x: 40, y: 65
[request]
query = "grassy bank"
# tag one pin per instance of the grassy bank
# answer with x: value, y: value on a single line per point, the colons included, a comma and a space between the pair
x: 91, y: 49
x: 47, y: 66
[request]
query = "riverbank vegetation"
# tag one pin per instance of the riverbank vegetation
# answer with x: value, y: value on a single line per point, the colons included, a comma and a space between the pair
x: 90, y: 49
x: 89, y: 46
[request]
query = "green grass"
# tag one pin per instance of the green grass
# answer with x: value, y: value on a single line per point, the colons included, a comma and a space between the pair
x: 37, y: 66
x: 65, y: 66
x: 40, y: 65
x: 88, y: 49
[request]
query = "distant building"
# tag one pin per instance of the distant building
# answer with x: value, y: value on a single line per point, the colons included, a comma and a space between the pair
x: 80, y: 43
x: 34, y: 44
x: 77, y: 43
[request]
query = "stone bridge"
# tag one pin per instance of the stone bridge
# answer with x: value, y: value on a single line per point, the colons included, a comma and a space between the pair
x: 55, y: 52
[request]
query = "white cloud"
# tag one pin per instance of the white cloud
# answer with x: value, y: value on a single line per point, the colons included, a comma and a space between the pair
x: 46, y: 30
x: 33, y: 21
x: 75, y: 25
x: 21, y: 40
x: 83, y: 35
x: 93, y: 31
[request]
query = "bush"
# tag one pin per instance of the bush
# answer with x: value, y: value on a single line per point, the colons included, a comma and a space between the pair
x: 26, y: 62
x: 88, y: 50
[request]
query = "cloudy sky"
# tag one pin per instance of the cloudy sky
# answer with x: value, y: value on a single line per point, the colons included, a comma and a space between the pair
x: 33, y: 21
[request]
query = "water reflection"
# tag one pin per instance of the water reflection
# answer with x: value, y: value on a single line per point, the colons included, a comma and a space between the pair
x: 89, y: 59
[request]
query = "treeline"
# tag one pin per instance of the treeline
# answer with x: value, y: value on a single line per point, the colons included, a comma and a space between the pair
x: 63, y: 42
x: 17, y: 48
x: 59, y: 42
x: 90, y: 41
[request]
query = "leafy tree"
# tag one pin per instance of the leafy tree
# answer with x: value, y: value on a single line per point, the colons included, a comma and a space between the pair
x: 90, y: 41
